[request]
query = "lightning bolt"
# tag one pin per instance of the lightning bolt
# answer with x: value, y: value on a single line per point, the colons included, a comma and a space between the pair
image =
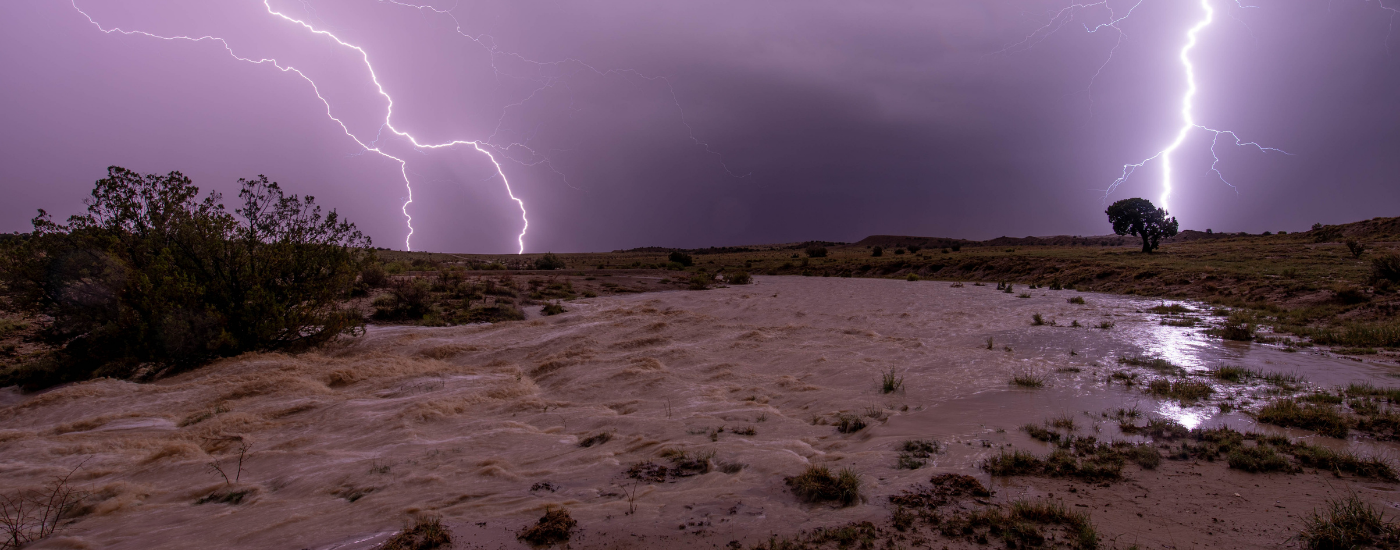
x: 479, y: 145
x: 1187, y: 113
x: 1188, y: 120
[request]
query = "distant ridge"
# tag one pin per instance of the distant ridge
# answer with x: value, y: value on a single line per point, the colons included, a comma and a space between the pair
x: 904, y: 241
x: 1375, y: 229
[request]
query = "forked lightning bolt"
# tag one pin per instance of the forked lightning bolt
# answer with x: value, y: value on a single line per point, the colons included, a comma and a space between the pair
x: 478, y: 145
x: 1187, y: 113
x: 1188, y: 120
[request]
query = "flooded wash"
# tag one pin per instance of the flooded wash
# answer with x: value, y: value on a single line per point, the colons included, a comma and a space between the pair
x: 486, y: 426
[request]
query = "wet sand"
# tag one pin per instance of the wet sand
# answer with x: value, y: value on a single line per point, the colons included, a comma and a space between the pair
x: 481, y: 424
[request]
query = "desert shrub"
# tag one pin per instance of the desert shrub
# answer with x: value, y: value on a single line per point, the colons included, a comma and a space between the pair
x: 374, y: 275
x: 1037, y: 320
x: 550, y: 261
x: 1386, y: 268
x: 816, y: 252
x: 680, y: 258
x: 1356, y: 248
x: 424, y: 534
x: 1349, y: 296
x: 554, y: 527
x: 151, y: 275
x: 1077, y: 300
x: 410, y: 299
x: 553, y: 308
x: 1259, y: 458
x: 818, y: 484
x: 32, y: 515
x: 912, y: 277
x: 738, y: 278
x: 1237, y: 327
x: 877, y: 251
x: 701, y: 281
x: 495, y: 313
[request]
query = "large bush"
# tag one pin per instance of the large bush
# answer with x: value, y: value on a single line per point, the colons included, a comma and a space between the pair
x: 1386, y: 268
x: 550, y: 261
x: 151, y: 276
x: 681, y: 258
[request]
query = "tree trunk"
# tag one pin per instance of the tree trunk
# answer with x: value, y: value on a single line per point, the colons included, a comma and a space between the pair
x: 1146, y: 244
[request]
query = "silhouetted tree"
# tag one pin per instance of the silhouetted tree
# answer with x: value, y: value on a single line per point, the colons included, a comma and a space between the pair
x: 1138, y: 217
x: 680, y: 258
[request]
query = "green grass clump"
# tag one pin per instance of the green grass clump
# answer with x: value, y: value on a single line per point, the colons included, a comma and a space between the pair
x: 1323, y: 458
x: 1368, y: 390
x: 1259, y: 458
x: 1101, y: 463
x: 1184, y: 390
x: 818, y: 484
x: 1232, y: 374
x: 1323, y: 419
x: 1170, y: 309
x: 1348, y: 523
x: 891, y: 382
x: 1037, y: 320
x: 1160, y: 365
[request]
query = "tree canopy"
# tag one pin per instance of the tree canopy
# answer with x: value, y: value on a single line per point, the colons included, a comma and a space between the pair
x: 153, y: 279
x: 1140, y: 218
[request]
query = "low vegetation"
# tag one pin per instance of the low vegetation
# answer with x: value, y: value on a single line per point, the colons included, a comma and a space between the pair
x: 1254, y: 452
x: 891, y: 382
x: 818, y: 484
x: 1348, y: 522
x: 915, y: 453
x: 1027, y: 379
x: 554, y: 527
x: 424, y: 534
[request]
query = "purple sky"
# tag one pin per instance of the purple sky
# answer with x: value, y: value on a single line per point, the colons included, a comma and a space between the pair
x: 844, y: 119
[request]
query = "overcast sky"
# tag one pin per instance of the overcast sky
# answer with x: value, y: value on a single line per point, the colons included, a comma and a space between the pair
x: 657, y: 123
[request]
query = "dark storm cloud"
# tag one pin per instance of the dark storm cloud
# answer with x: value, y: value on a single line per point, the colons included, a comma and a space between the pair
x: 843, y: 118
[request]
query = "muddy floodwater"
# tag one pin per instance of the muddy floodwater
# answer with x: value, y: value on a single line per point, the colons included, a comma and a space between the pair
x: 483, y: 425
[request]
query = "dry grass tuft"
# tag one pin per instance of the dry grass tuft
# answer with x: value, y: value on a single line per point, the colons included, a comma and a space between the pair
x: 817, y: 484
x: 424, y: 534
x: 554, y: 527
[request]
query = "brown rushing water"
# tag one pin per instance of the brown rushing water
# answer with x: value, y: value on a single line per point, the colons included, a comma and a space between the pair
x: 469, y: 423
